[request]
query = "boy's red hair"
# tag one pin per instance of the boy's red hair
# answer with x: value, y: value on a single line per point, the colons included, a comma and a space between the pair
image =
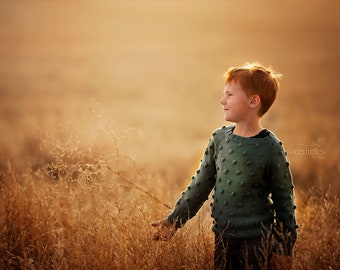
x: 256, y: 79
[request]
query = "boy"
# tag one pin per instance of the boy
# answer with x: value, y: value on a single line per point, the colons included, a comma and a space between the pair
x: 247, y: 168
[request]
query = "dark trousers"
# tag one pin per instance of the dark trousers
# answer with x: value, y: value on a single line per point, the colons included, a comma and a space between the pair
x: 237, y: 254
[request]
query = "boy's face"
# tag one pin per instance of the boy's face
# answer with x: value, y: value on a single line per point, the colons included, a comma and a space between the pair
x: 235, y: 103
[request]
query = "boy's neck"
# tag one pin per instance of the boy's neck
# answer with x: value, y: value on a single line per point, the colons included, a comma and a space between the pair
x: 247, y: 129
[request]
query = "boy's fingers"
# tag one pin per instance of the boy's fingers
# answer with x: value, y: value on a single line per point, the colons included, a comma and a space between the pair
x: 155, y: 224
x: 159, y: 236
x: 162, y: 236
x: 162, y: 222
x: 165, y: 232
x: 156, y: 237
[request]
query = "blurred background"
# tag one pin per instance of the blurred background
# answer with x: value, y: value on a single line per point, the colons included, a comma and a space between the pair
x: 148, y: 75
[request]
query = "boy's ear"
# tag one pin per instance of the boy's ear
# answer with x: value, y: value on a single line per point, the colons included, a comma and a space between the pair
x: 254, y: 101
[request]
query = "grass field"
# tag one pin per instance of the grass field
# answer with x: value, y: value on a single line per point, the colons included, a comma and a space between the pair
x: 106, y: 108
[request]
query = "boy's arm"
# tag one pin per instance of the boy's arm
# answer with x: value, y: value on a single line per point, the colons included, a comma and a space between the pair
x: 281, y: 186
x: 198, y: 191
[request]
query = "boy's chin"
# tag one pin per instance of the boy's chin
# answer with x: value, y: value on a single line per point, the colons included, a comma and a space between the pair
x: 228, y: 119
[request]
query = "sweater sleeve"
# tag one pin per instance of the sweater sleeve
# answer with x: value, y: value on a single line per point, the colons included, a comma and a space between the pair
x: 281, y: 187
x: 198, y: 191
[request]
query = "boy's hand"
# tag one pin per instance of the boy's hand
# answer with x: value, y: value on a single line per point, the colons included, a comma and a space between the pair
x: 166, y: 230
x: 281, y: 262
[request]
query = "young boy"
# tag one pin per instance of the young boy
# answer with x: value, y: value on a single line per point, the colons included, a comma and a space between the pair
x: 246, y: 166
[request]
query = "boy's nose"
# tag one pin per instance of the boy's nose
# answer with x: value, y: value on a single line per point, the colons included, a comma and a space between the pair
x: 222, y: 101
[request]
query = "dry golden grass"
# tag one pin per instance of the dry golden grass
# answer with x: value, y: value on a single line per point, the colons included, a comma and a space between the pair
x: 81, y: 212
x: 319, y: 235
x: 82, y: 209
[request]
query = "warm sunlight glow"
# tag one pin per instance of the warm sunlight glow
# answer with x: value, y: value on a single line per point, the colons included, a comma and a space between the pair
x: 107, y: 106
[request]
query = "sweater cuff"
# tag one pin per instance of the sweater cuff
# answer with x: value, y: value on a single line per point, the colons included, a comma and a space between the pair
x: 175, y: 221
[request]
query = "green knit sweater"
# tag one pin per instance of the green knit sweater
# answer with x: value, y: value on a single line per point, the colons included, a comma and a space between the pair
x: 252, y: 186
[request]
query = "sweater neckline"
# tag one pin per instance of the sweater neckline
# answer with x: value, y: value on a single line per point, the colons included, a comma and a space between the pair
x: 238, y: 138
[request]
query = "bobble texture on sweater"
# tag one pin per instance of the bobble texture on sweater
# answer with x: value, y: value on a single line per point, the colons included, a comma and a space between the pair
x: 252, y: 186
